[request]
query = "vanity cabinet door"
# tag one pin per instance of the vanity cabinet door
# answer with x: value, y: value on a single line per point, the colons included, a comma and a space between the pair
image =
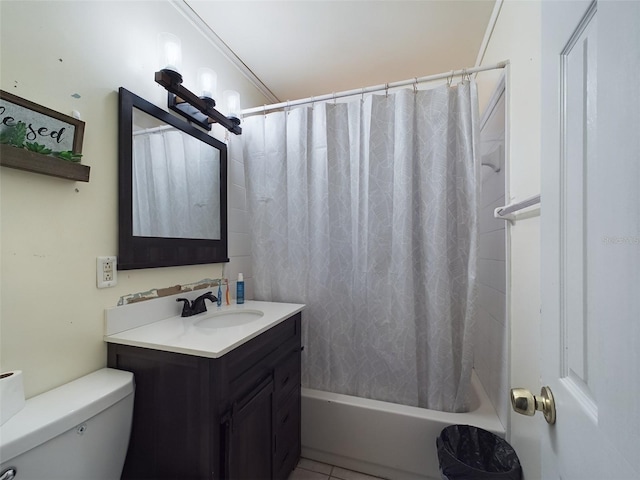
x: 248, y: 435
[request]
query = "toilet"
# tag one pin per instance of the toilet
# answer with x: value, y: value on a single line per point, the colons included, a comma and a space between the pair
x: 78, y: 431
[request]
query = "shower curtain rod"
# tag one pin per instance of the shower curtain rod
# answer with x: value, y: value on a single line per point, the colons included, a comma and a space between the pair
x: 376, y: 88
x: 153, y: 130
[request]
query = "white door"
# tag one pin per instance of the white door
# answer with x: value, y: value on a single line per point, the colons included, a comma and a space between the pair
x: 591, y: 238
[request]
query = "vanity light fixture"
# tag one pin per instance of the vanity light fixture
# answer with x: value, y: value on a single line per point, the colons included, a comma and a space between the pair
x: 196, y: 109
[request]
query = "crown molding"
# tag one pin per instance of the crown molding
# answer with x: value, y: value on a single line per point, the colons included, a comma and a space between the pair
x: 489, y: 32
x: 186, y: 11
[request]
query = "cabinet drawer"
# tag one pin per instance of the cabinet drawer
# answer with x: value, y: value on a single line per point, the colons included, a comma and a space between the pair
x: 287, y: 410
x: 287, y: 375
x: 275, y: 362
x: 241, y: 385
x: 287, y: 436
x: 246, y: 356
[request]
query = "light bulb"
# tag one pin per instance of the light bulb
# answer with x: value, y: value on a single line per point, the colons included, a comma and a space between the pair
x: 169, y: 52
x: 207, y: 82
x: 231, y: 100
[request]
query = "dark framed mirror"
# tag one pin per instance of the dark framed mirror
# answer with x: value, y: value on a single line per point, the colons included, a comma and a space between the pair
x: 172, y: 186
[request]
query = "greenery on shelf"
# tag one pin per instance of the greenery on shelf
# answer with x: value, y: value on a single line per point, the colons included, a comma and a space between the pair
x: 38, y: 148
x: 68, y: 155
x: 15, y: 135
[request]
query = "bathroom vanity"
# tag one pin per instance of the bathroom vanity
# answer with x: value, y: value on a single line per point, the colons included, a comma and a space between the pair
x: 217, y: 395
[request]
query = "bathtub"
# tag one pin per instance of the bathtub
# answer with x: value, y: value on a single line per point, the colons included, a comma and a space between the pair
x: 384, y: 439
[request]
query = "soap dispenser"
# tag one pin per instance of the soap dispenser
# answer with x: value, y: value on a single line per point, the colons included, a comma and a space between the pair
x: 240, y: 289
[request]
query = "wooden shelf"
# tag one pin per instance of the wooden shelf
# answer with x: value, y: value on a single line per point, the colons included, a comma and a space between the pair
x: 23, y: 159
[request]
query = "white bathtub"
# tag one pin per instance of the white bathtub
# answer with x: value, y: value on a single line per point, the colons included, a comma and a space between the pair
x: 384, y: 439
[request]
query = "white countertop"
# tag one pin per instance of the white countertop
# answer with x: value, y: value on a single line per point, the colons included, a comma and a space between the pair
x: 180, y: 335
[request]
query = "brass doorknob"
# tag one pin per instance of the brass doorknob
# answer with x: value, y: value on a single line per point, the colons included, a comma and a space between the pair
x: 525, y: 403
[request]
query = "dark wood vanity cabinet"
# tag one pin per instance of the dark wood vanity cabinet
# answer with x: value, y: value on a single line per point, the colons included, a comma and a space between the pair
x: 233, y: 417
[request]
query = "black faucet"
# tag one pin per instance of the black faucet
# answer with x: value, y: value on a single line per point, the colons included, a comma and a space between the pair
x: 197, y: 306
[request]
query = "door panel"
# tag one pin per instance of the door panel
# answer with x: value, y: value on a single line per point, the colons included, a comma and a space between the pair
x: 590, y: 181
x: 577, y: 120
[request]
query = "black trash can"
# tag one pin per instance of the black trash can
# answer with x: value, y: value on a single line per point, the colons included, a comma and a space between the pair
x: 466, y: 452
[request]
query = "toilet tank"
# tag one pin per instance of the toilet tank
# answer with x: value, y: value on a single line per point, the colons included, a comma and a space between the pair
x: 78, y: 431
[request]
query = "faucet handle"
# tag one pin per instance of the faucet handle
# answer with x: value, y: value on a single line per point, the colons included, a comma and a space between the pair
x: 198, y: 306
x: 187, y: 310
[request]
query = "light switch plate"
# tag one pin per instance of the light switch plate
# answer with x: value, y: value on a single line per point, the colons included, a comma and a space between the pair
x: 106, y: 272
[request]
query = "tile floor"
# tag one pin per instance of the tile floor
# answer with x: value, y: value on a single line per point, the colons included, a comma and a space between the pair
x: 312, y: 470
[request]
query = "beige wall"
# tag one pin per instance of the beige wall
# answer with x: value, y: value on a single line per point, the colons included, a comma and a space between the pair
x: 52, y: 230
x: 516, y: 38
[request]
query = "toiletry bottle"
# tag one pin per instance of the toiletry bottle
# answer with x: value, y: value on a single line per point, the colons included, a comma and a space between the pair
x: 240, y: 289
x: 220, y: 292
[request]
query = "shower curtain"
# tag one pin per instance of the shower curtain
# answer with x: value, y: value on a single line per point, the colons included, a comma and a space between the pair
x: 366, y: 212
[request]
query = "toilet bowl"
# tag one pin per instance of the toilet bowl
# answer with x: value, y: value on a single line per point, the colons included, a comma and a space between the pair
x: 78, y: 431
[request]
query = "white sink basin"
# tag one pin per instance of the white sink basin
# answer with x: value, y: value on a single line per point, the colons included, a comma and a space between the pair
x: 229, y: 319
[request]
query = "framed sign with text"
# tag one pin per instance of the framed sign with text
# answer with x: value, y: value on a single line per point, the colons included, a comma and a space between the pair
x: 37, y: 139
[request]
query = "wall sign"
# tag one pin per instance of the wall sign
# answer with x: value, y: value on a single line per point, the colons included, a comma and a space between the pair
x: 38, y: 139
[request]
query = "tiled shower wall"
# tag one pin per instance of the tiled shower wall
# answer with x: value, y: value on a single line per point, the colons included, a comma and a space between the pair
x: 238, y: 220
x: 491, y: 348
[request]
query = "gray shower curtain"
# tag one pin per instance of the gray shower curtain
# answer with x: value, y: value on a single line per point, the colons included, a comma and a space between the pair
x: 366, y: 212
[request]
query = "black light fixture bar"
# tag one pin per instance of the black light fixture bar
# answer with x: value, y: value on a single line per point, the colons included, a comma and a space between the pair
x: 188, y: 111
x: 198, y: 110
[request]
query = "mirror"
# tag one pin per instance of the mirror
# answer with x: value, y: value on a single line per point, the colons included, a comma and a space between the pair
x: 176, y: 182
x: 172, y: 189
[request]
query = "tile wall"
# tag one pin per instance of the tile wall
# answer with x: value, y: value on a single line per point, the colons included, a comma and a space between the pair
x: 238, y: 220
x: 490, y: 356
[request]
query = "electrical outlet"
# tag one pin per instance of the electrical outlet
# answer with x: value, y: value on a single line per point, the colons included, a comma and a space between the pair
x: 106, y: 272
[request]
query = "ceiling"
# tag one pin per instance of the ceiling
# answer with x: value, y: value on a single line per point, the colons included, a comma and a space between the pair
x: 305, y: 48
